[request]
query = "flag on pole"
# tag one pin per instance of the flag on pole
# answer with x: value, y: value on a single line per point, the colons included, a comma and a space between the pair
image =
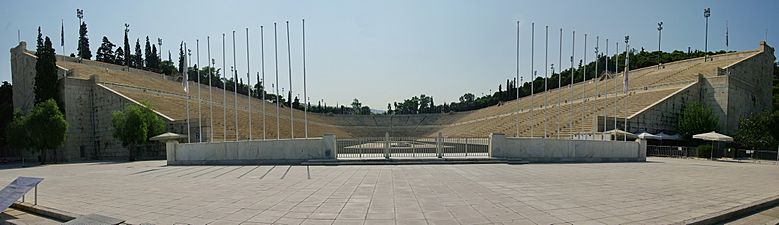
x: 726, y: 34
x: 62, y: 35
x: 185, y: 79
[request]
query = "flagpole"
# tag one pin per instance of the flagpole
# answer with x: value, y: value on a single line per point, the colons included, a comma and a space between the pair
x: 186, y: 89
x: 518, y: 79
x: 276, y: 56
x: 597, y: 79
x: 262, y: 65
x: 248, y: 83
x: 235, y: 90
x: 559, y: 81
x: 224, y: 90
x: 210, y: 95
x: 584, y: 78
x: 305, y: 96
x: 546, y: 77
x: 605, y: 87
x: 616, y: 88
x: 570, y: 87
x: 199, y: 108
x: 289, y: 65
x: 532, y: 69
x: 62, y: 37
x: 627, y: 84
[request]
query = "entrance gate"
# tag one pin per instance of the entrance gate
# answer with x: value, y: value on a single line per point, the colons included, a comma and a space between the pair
x: 412, y: 147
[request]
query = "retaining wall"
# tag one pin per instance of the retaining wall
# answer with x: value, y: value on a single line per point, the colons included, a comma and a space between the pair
x: 286, y: 151
x: 558, y: 150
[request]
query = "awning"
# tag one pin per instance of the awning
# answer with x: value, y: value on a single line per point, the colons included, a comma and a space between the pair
x: 664, y: 136
x: 713, y: 136
x: 620, y: 133
x: 645, y: 135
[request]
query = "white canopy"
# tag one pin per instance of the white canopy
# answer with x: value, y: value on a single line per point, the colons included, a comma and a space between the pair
x: 619, y: 133
x: 664, y: 136
x: 713, y: 136
x: 645, y: 135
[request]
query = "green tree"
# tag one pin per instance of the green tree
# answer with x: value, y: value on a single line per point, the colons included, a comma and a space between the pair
x: 696, y: 118
x: 776, y: 87
x: 105, y: 53
x: 356, y: 105
x: 16, y: 131
x: 46, y: 126
x: 759, y: 131
x: 127, y: 58
x: 45, y: 86
x: 134, y: 125
x: 6, y: 110
x: 148, y: 55
x: 119, y: 57
x: 83, y: 42
x: 138, y: 58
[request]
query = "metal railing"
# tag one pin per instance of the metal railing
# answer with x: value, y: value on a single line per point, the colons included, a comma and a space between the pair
x: 757, y: 156
x: 411, y: 147
x: 671, y: 151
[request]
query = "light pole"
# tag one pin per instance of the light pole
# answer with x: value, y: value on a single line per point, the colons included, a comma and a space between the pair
x: 706, y: 14
x: 597, y: 78
x: 159, y: 42
x: 659, y: 37
x: 584, y: 77
x: 80, y: 15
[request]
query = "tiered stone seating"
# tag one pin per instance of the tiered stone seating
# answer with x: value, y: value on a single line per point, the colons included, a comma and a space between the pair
x: 578, y: 104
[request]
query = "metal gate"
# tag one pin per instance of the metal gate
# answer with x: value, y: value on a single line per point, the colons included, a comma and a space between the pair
x: 412, y: 147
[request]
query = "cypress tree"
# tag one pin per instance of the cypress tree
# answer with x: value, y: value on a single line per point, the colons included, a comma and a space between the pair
x: 138, y: 57
x: 45, y: 86
x: 149, y: 60
x: 181, y: 58
x: 127, y: 58
x: 39, y: 43
x: 83, y: 42
x: 155, y: 61
x: 119, y: 59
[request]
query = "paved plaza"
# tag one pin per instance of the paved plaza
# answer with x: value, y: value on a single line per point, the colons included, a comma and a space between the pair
x: 661, y: 191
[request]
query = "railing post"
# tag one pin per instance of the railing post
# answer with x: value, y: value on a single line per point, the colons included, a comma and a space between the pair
x: 386, y: 145
x: 438, y: 145
x: 466, y: 147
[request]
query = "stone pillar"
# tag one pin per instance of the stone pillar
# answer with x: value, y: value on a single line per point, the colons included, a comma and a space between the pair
x: 170, y: 149
x: 438, y: 145
x: 497, y: 140
x: 386, y: 145
x: 330, y: 151
x: 641, y: 150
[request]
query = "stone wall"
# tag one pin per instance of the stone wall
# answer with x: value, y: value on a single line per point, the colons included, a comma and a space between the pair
x: 287, y: 151
x: 664, y: 114
x: 559, y: 150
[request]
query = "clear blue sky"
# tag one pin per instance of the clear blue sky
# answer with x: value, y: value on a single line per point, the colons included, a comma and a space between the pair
x: 384, y: 51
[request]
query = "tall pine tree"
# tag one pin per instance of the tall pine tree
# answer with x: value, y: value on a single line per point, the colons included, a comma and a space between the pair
x: 119, y: 59
x: 106, y: 51
x: 127, y: 58
x: 155, y: 59
x: 83, y: 42
x: 45, y: 86
x: 147, y: 55
x: 181, y: 58
x: 138, y: 58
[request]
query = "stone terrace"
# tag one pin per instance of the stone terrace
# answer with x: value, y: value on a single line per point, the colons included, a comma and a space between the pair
x: 661, y: 191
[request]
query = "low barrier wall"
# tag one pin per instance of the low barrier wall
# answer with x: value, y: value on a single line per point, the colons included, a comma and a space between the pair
x: 289, y: 151
x: 556, y: 150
